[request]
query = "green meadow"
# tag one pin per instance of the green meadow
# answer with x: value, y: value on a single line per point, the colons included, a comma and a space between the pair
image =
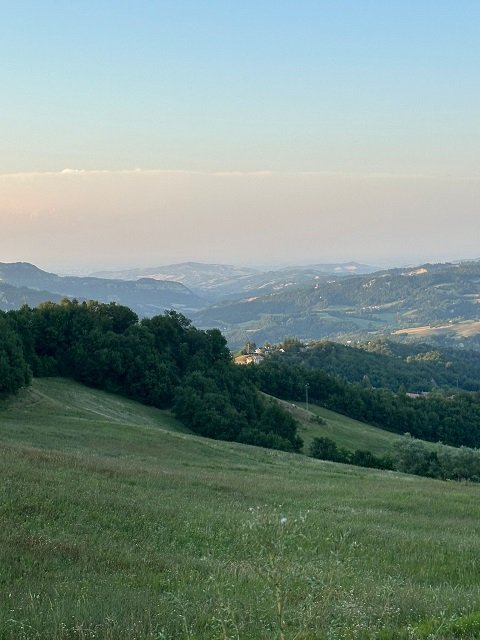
x: 116, y: 523
x: 344, y: 431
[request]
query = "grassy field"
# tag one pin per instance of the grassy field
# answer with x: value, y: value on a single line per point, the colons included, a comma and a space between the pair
x: 118, y: 524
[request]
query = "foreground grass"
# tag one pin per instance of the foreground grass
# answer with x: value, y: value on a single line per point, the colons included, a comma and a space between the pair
x: 118, y: 524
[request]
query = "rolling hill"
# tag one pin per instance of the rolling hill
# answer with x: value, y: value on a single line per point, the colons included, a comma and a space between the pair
x: 358, y: 306
x: 116, y: 524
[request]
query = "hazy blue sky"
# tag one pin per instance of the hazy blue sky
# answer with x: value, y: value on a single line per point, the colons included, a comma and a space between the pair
x: 245, y: 131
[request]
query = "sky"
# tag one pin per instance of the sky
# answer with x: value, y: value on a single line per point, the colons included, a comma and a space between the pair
x: 150, y: 132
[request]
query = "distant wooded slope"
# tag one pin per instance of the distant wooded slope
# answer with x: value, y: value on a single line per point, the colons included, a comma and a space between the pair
x: 379, y: 303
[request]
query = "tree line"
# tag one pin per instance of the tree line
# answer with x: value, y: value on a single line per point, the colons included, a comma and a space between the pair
x: 14, y: 370
x: 408, y: 455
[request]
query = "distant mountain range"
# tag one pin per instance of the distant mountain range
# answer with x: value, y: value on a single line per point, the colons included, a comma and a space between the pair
x: 216, y: 282
x: 336, y: 301
x: 23, y: 283
x: 186, y: 287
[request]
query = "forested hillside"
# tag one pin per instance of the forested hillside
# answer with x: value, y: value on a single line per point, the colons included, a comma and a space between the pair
x: 381, y: 302
x: 162, y: 361
x: 413, y: 367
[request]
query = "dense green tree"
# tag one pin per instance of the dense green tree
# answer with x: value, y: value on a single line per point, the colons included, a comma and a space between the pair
x: 14, y: 371
x: 326, y: 449
x: 413, y: 456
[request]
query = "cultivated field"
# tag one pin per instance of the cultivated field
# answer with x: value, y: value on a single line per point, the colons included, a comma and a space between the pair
x: 464, y: 329
x: 117, y: 524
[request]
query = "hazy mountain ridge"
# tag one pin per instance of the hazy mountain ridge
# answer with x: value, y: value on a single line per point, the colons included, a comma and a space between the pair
x: 193, y: 273
x: 221, y: 281
x: 14, y: 297
x: 145, y: 296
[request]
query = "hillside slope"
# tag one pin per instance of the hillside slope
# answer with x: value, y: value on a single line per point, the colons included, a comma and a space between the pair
x: 117, y: 525
x: 345, y: 432
x: 381, y: 302
x: 57, y: 405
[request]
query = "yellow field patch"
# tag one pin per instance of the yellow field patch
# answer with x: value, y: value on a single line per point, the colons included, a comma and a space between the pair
x: 465, y: 329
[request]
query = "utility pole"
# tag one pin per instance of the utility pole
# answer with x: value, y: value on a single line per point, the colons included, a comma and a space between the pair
x: 306, y: 394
